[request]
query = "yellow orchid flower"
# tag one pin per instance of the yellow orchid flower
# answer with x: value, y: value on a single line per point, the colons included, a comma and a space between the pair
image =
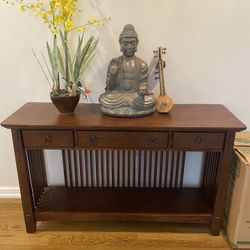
x: 68, y: 24
x: 43, y: 15
x: 54, y: 31
x: 81, y: 29
x: 22, y: 8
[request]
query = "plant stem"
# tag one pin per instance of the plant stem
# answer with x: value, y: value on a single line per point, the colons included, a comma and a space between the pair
x: 42, y: 68
x: 90, y: 24
x: 47, y: 67
x: 66, y: 58
x: 58, y: 82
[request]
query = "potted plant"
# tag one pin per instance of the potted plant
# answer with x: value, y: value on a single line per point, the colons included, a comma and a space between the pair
x: 63, y: 67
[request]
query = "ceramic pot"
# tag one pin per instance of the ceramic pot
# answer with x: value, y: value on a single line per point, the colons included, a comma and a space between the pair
x: 65, y: 104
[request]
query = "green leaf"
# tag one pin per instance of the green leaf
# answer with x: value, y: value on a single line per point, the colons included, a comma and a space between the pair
x: 86, y: 64
x: 60, y: 62
x: 82, y: 56
x: 86, y: 49
x: 88, y: 57
x: 77, y: 60
x: 62, y: 39
x: 54, y: 53
x: 71, y: 67
x: 74, y: 65
x: 54, y: 75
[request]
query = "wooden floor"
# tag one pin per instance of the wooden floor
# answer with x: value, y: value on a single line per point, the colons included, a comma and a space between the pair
x: 100, y: 236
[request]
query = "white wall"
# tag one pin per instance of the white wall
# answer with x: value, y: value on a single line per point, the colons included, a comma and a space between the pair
x: 208, y: 55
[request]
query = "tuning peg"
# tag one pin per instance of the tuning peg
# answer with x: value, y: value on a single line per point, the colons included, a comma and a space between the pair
x: 157, y: 78
x: 163, y: 64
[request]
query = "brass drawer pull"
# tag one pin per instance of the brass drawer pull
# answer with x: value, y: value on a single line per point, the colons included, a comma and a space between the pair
x: 93, y: 139
x: 47, y: 138
x: 152, y: 139
x: 198, y: 140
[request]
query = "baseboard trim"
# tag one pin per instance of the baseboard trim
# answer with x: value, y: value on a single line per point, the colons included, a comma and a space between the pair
x: 10, y: 192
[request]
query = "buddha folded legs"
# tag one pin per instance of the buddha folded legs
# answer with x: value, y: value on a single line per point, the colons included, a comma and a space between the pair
x: 126, y: 104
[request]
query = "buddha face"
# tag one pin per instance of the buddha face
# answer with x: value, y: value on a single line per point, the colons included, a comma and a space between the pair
x: 129, y: 46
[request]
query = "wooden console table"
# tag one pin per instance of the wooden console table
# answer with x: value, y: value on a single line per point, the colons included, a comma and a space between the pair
x: 122, y: 169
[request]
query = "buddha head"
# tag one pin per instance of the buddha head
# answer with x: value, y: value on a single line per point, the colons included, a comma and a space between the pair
x: 128, y: 40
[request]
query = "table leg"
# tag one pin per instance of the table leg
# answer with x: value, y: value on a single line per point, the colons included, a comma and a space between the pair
x: 24, y: 181
x: 221, y: 185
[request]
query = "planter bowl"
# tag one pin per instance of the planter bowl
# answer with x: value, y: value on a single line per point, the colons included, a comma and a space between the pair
x: 65, y: 104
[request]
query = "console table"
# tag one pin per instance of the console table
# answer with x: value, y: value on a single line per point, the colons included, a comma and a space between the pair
x: 123, y: 169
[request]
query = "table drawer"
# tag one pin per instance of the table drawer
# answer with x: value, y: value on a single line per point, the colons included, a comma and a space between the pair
x: 182, y: 140
x: 48, y: 138
x: 111, y: 139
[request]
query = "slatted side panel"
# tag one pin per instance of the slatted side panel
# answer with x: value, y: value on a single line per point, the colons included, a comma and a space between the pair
x: 37, y: 171
x: 123, y: 168
x: 211, y: 169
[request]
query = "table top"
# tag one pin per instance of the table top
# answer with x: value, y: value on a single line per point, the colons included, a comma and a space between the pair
x: 193, y: 117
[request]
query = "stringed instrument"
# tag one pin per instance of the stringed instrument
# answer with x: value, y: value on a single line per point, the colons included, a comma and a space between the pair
x: 164, y: 103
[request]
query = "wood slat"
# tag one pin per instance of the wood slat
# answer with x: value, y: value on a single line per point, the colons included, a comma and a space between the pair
x: 65, y: 168
x: 113, y: 166
x: 134, y: 169
x: 76, y: 174
x: 155, y: 168
x: 139, y: 168
x: 151, y: 169
x: 36, y: 164
x: 178, y: 155
x: 166, y: 168
x: 182, y: 168
x: 81, y: 168
x: 70, y: 168
x: 91, y: 166
x: 172, y: 168
x: 145, y: 153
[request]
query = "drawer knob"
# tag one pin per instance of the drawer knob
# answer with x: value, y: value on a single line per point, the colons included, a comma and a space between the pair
x: 152, y: 139
x: 93, y: 139
x: 198, y: 140
x: 47, y: 138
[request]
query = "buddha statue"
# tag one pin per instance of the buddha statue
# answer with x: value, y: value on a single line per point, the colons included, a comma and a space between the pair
x: 127, y: 92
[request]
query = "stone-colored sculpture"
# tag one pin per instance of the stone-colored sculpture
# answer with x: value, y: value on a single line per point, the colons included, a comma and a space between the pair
x: 127, y: 92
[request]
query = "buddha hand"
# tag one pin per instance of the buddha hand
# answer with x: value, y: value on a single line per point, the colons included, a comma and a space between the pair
x: 143, y: 89
x: 113, y: 69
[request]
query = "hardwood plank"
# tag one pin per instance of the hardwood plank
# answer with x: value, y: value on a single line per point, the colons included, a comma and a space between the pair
x: 101, y: 236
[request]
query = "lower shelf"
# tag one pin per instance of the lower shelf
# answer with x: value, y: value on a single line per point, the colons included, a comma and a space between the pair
x: 124, y: 204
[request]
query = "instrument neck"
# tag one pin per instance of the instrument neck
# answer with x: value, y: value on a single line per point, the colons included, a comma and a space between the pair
x: 161, y: 78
